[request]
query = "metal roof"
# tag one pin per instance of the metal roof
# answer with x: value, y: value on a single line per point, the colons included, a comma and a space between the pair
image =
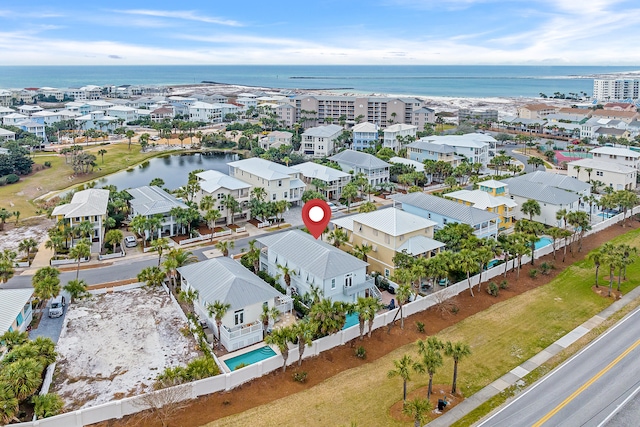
x: 616, y: 151
x: 226, y: 280
x: 85, y: 203
x: 315, y: 256
x: 419, y: 166
x: 151, y: 200
x: 446, y: 208
x: 394, y: 222
x: 481, y: 199
x: 264, y: 168
x: 603, y: 165
x: 417, y: 245
x: 327, y: 131
x: 213, y: 180
x: 541, y: 192
x: 365, y: 127
x: 359, y: 159
x: 12, y: 301
x: 473, y: 140
x: 432, y: 146
x: 563, y: 182
x: 324, y: 173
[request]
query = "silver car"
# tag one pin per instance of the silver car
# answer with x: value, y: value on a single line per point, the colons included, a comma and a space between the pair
x: 130, y: 242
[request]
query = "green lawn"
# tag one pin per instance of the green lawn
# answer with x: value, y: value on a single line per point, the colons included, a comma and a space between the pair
x: 56, y: 178
x: 501, y: 338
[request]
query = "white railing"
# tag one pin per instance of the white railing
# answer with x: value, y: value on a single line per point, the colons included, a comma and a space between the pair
x: 241, y: 229
x: 264, y: 224
x: 205, y: 237
x: 111, y: 256
x: 228, y: 381
x: 285, y: 307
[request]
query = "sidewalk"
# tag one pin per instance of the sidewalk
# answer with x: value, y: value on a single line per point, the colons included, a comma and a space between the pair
x: 517, y: 373
x: 40, y: 260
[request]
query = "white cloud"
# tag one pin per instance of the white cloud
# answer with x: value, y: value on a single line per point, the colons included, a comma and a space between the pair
x: 188, y: 15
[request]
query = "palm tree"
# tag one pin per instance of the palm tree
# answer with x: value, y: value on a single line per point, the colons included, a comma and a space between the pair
x: 80, y: 250
x: 46, y: 283
x: 304, y: 332
x: 259, y: 193
x: 530, y: 207
x: 7, y: 261
x: 11, y: 339
x: 55, y: 242
x: 47, y: 405
x: 348, y: 193
x: 457, y: 351
x: 224, y: 246
x: 113, y: 237
x: 130, y: 134
x: 217, y: 310
x: 403, y: 292
x: 27, y: 245
x: 77, y: 289
x: 4, y: 216
x: 176, y: 258
x: 152, y: 276
x: 101, y: 153
x: 84, y: 229
x: 253, y: 255
x: 403, y: 369
x: 338, y: 236
x: 160, y: 245
x: 467, y: 261
x: 281, y: 338
x: 232, y: 206
x: 8, y: 404
x: 367, y: 307
x: 24, y: 377
x: 429, y: 350
x: 211, y: 217
x: 417, y: 409
x: 328, y: 316
x: 361, y: 251
x: 286, y: 273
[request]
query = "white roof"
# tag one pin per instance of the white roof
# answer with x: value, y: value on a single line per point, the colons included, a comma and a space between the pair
x: 6, y: 110
x: 85, y: 203
x: 603, y: 165
x: 121, y: 108
x: 212, y: 180
x: 419, y: 166
x: 4, y: 132
x: 392, y: 221
x: 616, y: 151
x: 151, y: 200
x: 492, y: 183
x: 12, y: 301
x: 327, y: 131
x: 324, y: 173
x: 203, y: 105
x: 481, y: 199
x: 365, y: 127
x: 264, y: 168
x: 398, y: 127
x: 16, y: 116
x: 417, y: 245
x: 472, y: 140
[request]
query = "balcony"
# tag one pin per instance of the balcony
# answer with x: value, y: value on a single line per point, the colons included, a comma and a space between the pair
x: 354, y: 289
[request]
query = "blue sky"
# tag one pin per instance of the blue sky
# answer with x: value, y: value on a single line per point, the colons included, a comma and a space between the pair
x: 418, y: 32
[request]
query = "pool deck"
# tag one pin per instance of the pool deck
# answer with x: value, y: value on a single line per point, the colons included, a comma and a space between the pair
x: 240, y: 353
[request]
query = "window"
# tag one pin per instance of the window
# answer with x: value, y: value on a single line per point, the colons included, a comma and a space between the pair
x: 599, y: 173
x: 387, y: 273
x: 387, y: 239
x: 273, y: 196
x: 333, y: 283
x: 348, y: 280
x: 280, y: 183
x: 238, y: 317
x: 375, y: 232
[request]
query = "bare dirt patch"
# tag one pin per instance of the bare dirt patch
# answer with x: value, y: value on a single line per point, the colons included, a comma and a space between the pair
x: 115, y: 344
x: 35, y: 228
x: 603, y: 291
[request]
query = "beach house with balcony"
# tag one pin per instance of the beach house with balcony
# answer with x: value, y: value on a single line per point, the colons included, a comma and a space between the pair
x: 491, y: 196
x: 476, y: 147
x: 279, y: 181
x: 15, y: 310
x: 310, y: 262
x: 276, y: 139
x: 619, y: 155
x: 227, y: 281
x: 7, y: 135
x: 332, y: 180
x: 444, y: 211
x: 395, y: 136
x: 320, y: 141
x: 617, y: 176
x: 151, y: 200
x: 219, y: 186
x: 389, y: 232
x: 86, y: 205
x: 421, y: 150
x: 365, y: 135
x: 376, y: 170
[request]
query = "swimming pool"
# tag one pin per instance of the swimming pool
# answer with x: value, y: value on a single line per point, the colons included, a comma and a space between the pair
x: 492, y: 263
x: 542, y: 242
x: 352, y: 320
x: 249, y: 358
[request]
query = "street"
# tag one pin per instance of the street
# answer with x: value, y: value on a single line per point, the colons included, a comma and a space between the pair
x: 586, y: 390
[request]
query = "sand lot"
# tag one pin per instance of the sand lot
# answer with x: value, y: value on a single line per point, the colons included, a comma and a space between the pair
x: 114, y: 345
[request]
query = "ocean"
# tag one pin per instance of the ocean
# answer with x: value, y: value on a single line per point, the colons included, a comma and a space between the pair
x: 455, y: 81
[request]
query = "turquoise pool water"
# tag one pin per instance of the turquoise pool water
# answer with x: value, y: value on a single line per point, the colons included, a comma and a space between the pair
x: 251, y: 357
x: 492, y: 263
x: 542, y: 242
x: 352, y: 320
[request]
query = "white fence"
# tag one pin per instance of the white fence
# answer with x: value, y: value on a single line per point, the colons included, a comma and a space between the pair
x: 241, y: 229
x: 264, y: 224
x: 55, y: 262
x: 228, y: 381
x: 206, y: 237
x: 111, y: 256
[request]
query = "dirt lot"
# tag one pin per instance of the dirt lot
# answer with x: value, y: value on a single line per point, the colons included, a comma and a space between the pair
x: 35, y: 227
x: 114, y: 345
x: 277, y: 385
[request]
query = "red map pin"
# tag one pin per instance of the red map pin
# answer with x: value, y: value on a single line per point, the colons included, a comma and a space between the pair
x: 316, y: 214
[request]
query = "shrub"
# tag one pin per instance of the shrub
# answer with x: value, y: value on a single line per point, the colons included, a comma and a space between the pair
x: 240, y: 366
x: 12, y: 178
x: 420, y: 326
x: 361, y: 353
x: 300, y: 377
x: 546, y: 267
x: 3, y: 181
x: 533, y: 273
x: 493, y: 289
x: 504, y: 285
x: 455, y: 309
x: 47, y: 164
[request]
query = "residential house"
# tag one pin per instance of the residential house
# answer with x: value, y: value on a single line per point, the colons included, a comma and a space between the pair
x: 286, y: 114
x: 395, y: 136
x: 7, y: 135
x: 422, y: 150
x: 86, y: 205
x: 620, y: 106
x: 227, y: 281
x: 625, y: 116
x: 276, y: 139
x: 389, y: 232
x: 477, y: 116
x: 219, y: 186
x: 419, y: 167
x: 160, y: 114
x: 6, y: 111
x: 476, y: 147
x: 491, y: 196
x: 365, y: 135
x: 150, y: 201
x: 6, y: 98
x: 611, y: 133
x: 444, y: 211
x: 375, y: 169
x: 619, y: 155
x: 15, y: 309
x: 563, y: 182
x: 613, y: 174
x: 423, y: 116
x: 320, y: 141
x: 333, y: 180
x: 205, y: 112
x: 279, y: 181
x: 536, y: 111
x: 33, y: 127
x: 127, y: 114
x: 12, y: 119
x: 51, y: 117
x: 589, y: 128
x: 99, y: 105
x: 28, y: 110
x: 337, y: 274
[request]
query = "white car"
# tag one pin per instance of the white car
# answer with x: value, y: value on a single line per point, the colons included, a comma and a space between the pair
x: 333, y: 207
x: 130, y: 242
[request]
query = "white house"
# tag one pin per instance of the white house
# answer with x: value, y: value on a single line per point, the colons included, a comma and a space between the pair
x: 396, y: 135
x: 12, y: 119
x: 474, y: 146
x: 614, y: 175
x: 86, y: 205
x: 279, y: 181
x: 205, y: 112
x: 339, y: 275
x: 227, y: 281
x: 375, y: 169
x: 15, y: 309
x: 320, y: 141
x: 7, y: 135
x: 333, y: 179
x: 619, y: 155
x: 219, y: 186
x: 149, y: 201
x: 127, y: 114
x: 276, y: 139
x: 28, y: 110
x: 33, y: 127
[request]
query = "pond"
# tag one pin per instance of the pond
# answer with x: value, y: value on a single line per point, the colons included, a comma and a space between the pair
x: 172, y: 168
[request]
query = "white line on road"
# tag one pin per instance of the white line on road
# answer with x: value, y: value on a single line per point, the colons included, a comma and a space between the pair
x: 620, y: 406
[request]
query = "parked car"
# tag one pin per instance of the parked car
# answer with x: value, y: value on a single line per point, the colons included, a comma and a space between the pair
x: 333, y: 207
x: 155, y: 138
x: 130, y: 242
x: 56, y: 307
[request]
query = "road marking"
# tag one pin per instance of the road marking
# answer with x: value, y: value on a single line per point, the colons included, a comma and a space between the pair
x: 620, y: 406
x: 586, y: 385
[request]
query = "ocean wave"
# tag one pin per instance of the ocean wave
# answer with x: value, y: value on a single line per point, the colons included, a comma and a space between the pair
x: 437, y: 77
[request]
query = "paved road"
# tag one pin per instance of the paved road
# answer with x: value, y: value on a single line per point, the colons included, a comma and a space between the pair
x: 587, y: 390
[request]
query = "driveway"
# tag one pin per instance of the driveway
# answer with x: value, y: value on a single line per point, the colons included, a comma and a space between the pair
x: 50, y: 327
